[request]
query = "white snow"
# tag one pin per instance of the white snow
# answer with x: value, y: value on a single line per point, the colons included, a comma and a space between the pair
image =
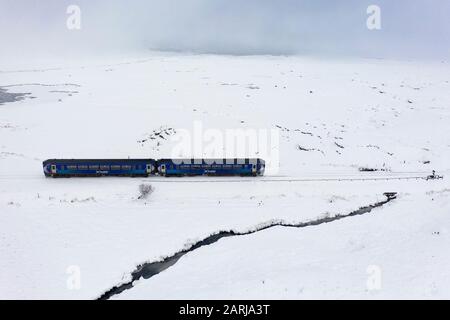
x: 390, y: 115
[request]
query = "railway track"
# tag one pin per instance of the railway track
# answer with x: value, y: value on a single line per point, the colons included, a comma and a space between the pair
x: 329, y: 177
x: 270, y: 179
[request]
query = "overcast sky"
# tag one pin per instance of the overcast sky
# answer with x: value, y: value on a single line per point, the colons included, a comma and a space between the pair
x: 409, y: 28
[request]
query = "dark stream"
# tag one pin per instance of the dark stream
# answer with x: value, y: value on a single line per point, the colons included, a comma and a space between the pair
x: 150, y: 269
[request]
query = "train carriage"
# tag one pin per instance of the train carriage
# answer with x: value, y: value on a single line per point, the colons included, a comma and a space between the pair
x: 212, y: 167
x: 99, y: 167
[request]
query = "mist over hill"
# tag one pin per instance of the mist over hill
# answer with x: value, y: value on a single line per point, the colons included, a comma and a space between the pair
x: 409, y: 28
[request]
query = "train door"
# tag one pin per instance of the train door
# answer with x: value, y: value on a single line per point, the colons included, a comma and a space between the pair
x: 254, y: 168
x: 149, y: 168
x: 163, y: 169
x: 53, y: 169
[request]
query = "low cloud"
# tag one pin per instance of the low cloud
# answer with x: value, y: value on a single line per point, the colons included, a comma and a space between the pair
x: 409, y: 28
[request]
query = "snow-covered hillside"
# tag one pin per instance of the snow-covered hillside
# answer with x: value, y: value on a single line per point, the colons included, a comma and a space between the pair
x: 78, y: 238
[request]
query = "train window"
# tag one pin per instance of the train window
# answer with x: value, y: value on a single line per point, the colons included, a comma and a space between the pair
x: 115, y: 167
x: 82, y: 167
x: 93, y: 167
x: 126, y: 167
x: 72, y: 167
x: 104, y: 167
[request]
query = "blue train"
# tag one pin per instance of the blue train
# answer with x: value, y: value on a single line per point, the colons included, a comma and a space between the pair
x: 148, y: 167
x: 210, y: 167
x: 99, y: 167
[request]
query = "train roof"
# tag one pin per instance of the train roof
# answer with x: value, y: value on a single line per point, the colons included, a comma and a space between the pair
x: 99, y: 161
x: 187, y: 160
x: 210, y: 160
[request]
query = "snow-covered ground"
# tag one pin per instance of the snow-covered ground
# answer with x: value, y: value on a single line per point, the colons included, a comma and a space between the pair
x: 333, y: 118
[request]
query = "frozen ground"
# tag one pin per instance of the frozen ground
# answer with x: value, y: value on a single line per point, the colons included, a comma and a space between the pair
x: 334, y: 117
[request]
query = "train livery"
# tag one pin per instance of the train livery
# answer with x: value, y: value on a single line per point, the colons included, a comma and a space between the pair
x: 210, y: 167
x: 99, y: 167
x: 151, y: 167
